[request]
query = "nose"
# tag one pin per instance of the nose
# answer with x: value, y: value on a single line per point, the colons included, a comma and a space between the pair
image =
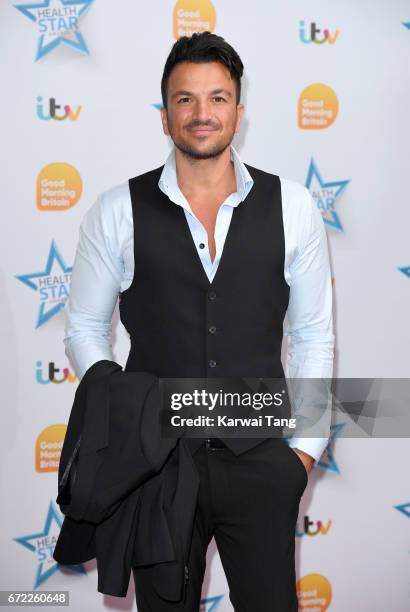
x: 202, y: 112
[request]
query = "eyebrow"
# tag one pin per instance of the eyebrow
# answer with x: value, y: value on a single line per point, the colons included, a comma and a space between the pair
x: 183, y: 92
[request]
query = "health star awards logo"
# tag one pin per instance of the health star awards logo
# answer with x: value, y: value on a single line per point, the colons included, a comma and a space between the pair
x: 42, y: 545
x: 51, y: 285
x: 326, y: 195
x: 57, y: 23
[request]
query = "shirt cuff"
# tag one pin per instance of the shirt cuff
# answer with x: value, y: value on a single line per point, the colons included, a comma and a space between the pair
x: 313, y: 446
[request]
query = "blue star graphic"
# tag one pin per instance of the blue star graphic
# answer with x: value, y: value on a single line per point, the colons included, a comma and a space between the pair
x: 52, y: 21
x: 43, y: 546
x: 326, y: 196
x: 404, y: 508
x: 405, y: 270
x: 329, y: 463
x: 53, y: 256
x: 208, y: 604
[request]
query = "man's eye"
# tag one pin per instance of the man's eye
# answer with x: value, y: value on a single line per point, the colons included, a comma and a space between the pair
x: 217, y: 98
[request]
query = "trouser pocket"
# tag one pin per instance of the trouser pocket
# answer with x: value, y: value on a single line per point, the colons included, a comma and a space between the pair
x: 299, y: 465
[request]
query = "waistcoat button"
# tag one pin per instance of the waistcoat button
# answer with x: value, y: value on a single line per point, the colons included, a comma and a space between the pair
x: 212, y: 295
x: 212, y: 363
x: 212, y: 329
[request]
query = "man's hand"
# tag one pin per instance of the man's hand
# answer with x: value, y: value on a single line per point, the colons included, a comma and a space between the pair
x: 306, y: 459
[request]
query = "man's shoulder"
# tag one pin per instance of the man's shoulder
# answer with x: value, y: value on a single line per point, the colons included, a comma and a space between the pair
x: 256, y: 172
x: 108, y: 208
x: 299, y: 207
x: 117, y: 198
x: 114, y: 201
x: 110, y: 201
x: 147, y: 176
x: 291, y: 187
x: 121, y: 191
x: 116, y: 192
x: 294, y: 190
x: 295, y: 195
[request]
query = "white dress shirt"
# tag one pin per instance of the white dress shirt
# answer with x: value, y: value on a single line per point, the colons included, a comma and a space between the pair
x: 104, y: 266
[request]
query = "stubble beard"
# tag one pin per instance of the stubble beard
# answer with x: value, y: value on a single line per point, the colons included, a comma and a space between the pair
x: 192, y: 153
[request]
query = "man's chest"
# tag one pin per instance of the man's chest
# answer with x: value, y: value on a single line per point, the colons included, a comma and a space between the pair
x: 206, y: 212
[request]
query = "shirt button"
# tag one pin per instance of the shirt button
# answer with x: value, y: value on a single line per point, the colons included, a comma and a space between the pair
x: 212, y: 363
x: 201, y: 245
x: 212, y: 329
x: 211, y: 295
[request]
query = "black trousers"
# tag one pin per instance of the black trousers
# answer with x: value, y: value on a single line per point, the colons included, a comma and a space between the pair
x: 249, y: 503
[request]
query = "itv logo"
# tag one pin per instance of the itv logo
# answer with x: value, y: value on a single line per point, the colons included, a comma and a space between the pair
x: 313, y: 35
x: 53, y: 111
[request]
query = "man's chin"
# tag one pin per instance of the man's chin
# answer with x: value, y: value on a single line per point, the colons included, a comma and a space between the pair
x: 194, y: 152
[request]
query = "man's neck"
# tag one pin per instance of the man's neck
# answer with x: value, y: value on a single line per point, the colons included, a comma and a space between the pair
x: 201, y: 177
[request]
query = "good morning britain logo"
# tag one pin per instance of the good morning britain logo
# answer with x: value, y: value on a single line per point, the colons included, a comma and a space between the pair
x: 318, y: 107
x: 314, y: 593
x: 56, y: 23
x: 48, y: 448
x: 191, y: 16
x: 59, y: 187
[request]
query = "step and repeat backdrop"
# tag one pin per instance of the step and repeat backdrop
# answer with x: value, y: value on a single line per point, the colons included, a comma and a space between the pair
x: 327, y: 95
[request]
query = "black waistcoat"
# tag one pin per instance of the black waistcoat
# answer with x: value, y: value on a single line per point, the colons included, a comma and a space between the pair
x: 180, y: 324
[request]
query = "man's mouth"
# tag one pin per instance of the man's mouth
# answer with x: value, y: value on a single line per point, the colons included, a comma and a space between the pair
x: 202, y: 130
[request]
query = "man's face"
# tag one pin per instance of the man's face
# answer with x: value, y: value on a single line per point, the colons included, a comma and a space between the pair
x: 202, y: 116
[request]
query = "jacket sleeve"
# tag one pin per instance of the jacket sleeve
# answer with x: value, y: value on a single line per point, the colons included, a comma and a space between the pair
x: 97, y: 375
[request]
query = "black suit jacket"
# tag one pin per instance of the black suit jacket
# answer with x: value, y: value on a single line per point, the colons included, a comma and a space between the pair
x: 128, y: 494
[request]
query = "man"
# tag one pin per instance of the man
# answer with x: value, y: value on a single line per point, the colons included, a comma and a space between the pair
x: 207, y: 255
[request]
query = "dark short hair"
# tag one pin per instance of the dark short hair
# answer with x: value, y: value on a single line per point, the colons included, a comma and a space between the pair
x: 201, y: 48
